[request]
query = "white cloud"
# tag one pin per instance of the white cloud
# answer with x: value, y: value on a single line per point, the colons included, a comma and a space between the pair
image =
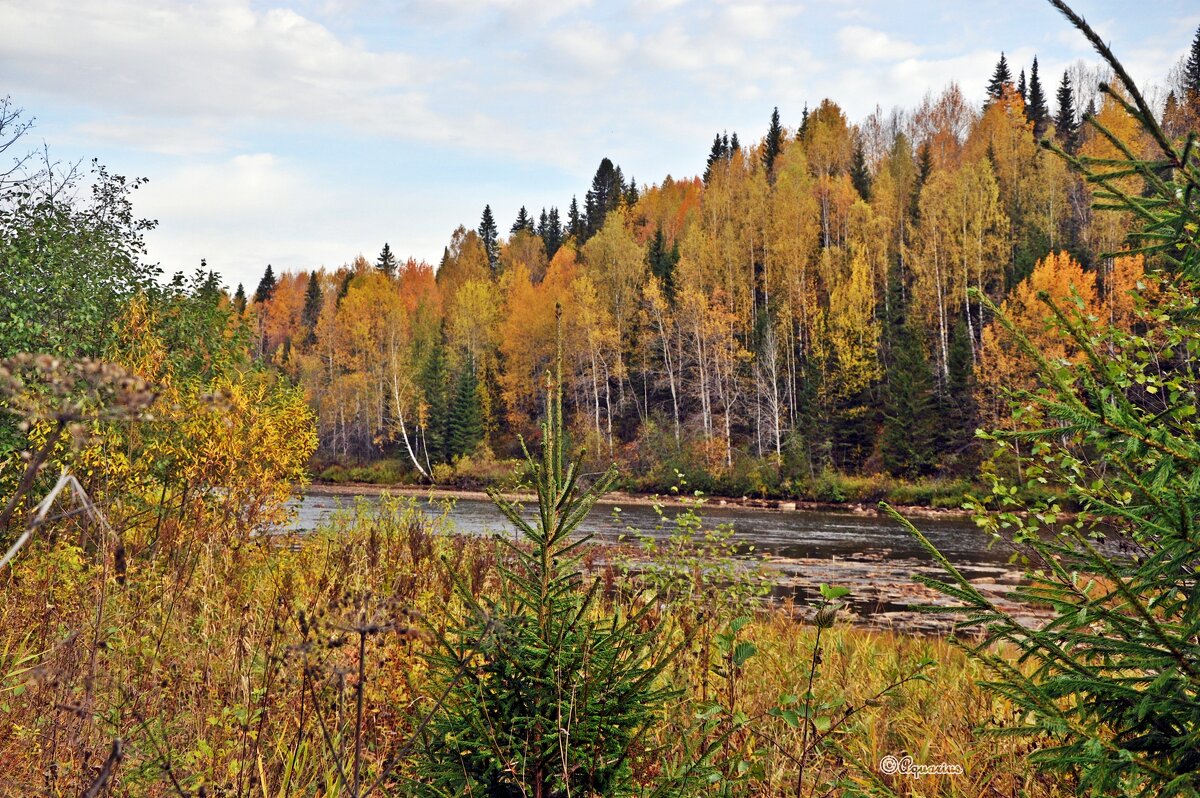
x: 865, y: 44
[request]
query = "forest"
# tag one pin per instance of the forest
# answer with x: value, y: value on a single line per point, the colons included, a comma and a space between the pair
x: 998, y: 295
x: 799, y: 314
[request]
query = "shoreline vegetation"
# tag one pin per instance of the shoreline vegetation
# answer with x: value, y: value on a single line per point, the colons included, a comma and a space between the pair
x: 629, y: 498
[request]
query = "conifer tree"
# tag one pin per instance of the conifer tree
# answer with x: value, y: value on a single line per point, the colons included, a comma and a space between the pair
x: 435, y: 387
x: 523, y: 222
x: 344, y: 288
x: 1023, y: 88
x: 311, y: 311
x: 860, y: 175
x: 1036, y: 110
x: 662, y: 260
x: 239, y: 299
x: 575, y: 226
x: 734, y: 144
x: 907, y: 439
x: 466, y: 413
x: 631, y: 193
x: 1065, y: 124
x: 553, y: 235
x: 490, y: 237
x: 545, y: 692
x: 266, y: 286
x: 1000, y: 78
x: 716, y: 156
x: 606, y: 193
x: 387, y: 261
x: 1191, y: 72
x: 773, y: 144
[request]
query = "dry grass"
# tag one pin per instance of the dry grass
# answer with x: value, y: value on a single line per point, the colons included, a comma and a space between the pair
x: 238, y: 671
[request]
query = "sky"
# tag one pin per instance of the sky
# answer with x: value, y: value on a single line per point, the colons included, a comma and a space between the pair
x: 303, y: 133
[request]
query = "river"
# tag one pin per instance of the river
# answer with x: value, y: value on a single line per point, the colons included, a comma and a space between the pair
x: 790, y: 534
x: 866, y: 552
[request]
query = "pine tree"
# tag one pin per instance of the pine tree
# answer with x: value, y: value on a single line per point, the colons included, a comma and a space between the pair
x: 523, y: 221
x: 860, y: 175
x: 773, y: 144
x: 1065, y: 124
x: 490, y: 237
x: 466, y: 414
x: 266, y: 286
x: 387, y: 261
x: 1023, y: 87
x: 1000, y: 78
x: 239, y: 299
x: 1036, y: 110
x: 312, y: 307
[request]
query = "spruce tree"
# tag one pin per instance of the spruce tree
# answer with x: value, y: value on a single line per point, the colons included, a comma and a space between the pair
x: 1065, y: 124
x: 860, y: 175
x: 716, y: 156
x: 554, y: 233
x: 957, y: 408
x: 1023, y: 87
x: 734, y: 144
x: 1191, y: 72
x: 435, y: 386
x: 907, y: 439
x: 239, y: 299
x: 545, y: 692
x: 466, y: 414
x: 1000, y: 77
x: 490, y: 237
x: 266, y: 286
x: 575, y: 226
x: 1036, y: 110
x: 606, y: 193
x: 387, y: 261
x: 344, y: 288
x: 631, y: 193
x: 773, y: 144
x: 311, y: 311
x: 662, y: 260
x: 523, y: 222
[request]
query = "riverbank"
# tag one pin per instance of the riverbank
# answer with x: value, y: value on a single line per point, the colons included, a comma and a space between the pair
x: 804, y: 547
x: 618, y: 498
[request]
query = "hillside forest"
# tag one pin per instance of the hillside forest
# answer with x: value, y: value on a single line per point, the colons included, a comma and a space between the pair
x: 802, y: 309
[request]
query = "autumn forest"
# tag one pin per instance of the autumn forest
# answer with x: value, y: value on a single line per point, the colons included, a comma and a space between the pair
x: 805, y: 307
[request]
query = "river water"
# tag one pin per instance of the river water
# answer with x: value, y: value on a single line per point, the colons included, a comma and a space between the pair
x: 791, y: 534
